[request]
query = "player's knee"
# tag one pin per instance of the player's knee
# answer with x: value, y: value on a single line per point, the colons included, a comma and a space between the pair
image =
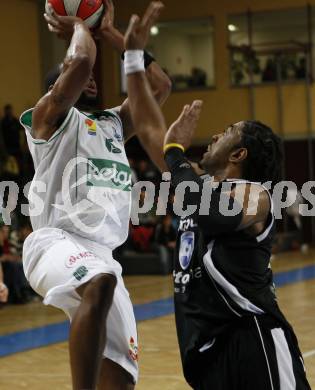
x: 100, y: 290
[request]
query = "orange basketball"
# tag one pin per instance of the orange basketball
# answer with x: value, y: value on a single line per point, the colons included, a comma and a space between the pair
x: 88, y: 10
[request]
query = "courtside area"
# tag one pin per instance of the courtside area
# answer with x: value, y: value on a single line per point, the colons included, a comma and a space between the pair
x: 34, y: 351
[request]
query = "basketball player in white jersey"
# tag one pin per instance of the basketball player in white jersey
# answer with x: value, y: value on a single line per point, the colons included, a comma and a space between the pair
x: 83, y: 180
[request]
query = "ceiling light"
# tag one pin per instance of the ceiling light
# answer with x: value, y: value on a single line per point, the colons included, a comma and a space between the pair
x: 232, y: 27
x: 154, y: 30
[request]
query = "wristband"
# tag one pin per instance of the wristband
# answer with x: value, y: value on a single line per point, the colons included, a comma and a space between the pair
x: 173, y: 145
x: 134, y: 61
x: 148, y: 58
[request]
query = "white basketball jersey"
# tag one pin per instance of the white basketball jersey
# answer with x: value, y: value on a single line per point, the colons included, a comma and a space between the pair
x: 82, y: 181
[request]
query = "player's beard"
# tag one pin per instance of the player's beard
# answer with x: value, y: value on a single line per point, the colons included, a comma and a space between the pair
x: 87, y: 103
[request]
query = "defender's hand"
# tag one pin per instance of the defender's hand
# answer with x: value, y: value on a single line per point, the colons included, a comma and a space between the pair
x: 63, y: 26
x: 138, y: 32
x: 106, y: 28
x: 183, y: 129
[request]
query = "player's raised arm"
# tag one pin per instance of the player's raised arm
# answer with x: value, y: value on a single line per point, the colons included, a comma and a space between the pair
x: 52, y: 109
x: 145, y: 112
x: 158, y: 80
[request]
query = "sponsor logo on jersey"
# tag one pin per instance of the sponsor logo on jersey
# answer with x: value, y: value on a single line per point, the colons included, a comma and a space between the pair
x: 185, y: 224
x: 72, y: 260
x: 91, y: 125
x: 133, y: 349
x: 187, y: 245
x: 109, y: 143
x: 182, y: 279
x: 109, y: 174
x: 80, y: 272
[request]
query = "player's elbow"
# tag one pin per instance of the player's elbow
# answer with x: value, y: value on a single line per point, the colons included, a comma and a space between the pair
x: 166, y: 85
x: 81, y: 62
x: 164, y: 89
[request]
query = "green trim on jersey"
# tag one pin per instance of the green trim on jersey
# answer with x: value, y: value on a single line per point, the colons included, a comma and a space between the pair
x: 102, y: 113
x: 26, y: 120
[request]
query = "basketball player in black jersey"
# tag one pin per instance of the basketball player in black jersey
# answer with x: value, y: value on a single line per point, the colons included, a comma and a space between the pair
x: 231, y: 332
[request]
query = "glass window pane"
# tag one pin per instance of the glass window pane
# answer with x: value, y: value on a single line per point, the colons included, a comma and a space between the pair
x: 280, y: 27
x: 238, y: 28
x: 276, y: 49
x: 279, y: 39
x: 185, y: 51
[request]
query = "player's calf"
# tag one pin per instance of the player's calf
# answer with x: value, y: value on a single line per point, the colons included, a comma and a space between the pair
x: 88, y: 331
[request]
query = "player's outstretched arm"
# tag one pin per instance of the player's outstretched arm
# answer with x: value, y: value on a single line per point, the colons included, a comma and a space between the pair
x: 52, y: 109
x: 160, y: 85
x: 159, y: 82
x: 145, y: 112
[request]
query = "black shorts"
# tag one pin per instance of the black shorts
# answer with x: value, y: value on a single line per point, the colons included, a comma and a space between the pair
x: 254, y: 357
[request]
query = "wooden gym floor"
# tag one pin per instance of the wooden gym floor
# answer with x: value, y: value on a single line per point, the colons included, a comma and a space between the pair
x: 46, y: 368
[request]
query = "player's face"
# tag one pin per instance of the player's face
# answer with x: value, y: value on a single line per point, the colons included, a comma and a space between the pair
x: 218, y: 152
x: 89, y: 97
x: 91, y: 88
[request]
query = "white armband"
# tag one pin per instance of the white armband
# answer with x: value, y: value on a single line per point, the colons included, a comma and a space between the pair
x: 134, y: 61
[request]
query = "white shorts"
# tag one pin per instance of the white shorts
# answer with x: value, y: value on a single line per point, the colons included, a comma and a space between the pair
x: 56, y: 263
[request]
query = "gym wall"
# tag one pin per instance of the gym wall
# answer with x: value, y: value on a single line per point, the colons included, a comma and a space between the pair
x: 20, y: 59
x: 223, y: 104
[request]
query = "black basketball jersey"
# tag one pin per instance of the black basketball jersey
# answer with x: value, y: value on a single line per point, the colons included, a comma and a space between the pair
x: 219, y: 281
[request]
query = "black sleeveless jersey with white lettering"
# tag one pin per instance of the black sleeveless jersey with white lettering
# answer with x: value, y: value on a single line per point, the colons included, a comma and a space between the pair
x: 219, y: 280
